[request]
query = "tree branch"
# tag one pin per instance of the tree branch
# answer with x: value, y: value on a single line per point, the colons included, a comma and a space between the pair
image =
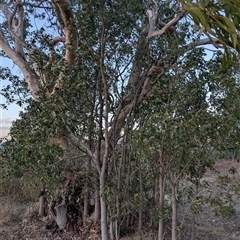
x: 64, y: 13
x: 18, y: 31
x: 58, y: 14
x: 152, y: 14
x: 131, y: 99
x: 56, y: 40
x: 19, y: 61
x: 214, y: 41
x: 153, y: 33
x: 64, y: 6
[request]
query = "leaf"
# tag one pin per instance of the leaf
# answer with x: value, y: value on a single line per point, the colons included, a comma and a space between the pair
x: 195, y: 19
x: 196, y: 27
x: 201, y: 31
x: 236, y: 21
x: 200, y: 5
x: 230, y: 24
x: 235, y: 2
x: 206, y: 2
x: 197, y: 12
x: 219, y: 23
x: 234, y: 38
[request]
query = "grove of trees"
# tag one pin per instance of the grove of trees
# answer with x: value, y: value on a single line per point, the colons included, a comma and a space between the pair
x: 124, y: 102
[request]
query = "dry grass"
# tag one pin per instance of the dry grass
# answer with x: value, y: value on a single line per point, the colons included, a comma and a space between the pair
x: 17, y: 204
x: 16, y: 197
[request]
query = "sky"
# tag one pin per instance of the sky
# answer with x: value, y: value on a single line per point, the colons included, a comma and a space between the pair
x: 12, y: 113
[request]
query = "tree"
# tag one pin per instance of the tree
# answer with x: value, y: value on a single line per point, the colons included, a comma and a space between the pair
x: 94, y: 64
x: 178, y: 132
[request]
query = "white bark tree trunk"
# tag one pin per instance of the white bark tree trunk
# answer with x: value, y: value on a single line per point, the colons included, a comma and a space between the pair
x: 104, y: 222
x: 161, y: 203
x: 97, y: 208
x: 174, y: 212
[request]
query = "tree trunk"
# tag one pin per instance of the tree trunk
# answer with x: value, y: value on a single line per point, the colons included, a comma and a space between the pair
x: 111, y: 229
x: 193, y: 227
x: 193, y: 232
x: 42, y: 202
x: 104, y: 224
x: 61, y: 219
x: 174, y: 212
x: 86, y: 197
x: 161, y: 203
x: 161, y: 196
x: 117, y: 229
x: 140, y: 214
x: 85, y: 208
x: 42, y: 206
x: 96, y: 206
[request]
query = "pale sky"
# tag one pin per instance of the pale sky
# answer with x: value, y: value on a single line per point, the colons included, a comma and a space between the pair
x: 7, y: 116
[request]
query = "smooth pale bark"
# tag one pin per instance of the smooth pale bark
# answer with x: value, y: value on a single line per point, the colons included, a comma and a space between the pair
x: 42, y: 206
x: 104, y: 223
x: 193, y: 227
x: 61, y: 216
x: 140, y: 213
x: 85, y: 209
x: 86, y: 201
x: 105, y: 146
x: 161, y: 201
x: 42, y: 211
x: 193, y: 222
x: 97, y: 209
x: 174, y: 213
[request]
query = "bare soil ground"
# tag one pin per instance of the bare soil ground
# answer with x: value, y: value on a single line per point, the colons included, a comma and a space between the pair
x: 19, y: 220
